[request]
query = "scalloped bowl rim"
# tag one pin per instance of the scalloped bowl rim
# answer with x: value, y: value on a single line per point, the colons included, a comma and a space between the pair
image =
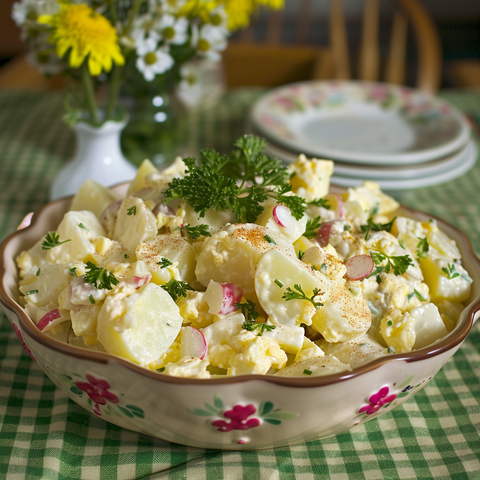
x: 453, y: 339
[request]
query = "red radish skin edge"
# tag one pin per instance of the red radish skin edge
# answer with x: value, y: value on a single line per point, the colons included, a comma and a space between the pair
x: 232, y: 294
x: 359, y: 267
x: 200, y: 343
x: 48, y: 318
x: 282, y: 215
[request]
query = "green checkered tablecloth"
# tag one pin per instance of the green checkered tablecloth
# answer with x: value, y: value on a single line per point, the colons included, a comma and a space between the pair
x: 45, y: 435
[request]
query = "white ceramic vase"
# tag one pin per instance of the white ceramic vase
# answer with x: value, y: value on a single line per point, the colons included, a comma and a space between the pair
x: 98, y: 156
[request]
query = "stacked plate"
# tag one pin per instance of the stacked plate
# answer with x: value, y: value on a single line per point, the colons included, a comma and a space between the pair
x: 401, y: 138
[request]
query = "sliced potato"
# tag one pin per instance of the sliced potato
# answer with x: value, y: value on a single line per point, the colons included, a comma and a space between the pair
x: 92, y: 196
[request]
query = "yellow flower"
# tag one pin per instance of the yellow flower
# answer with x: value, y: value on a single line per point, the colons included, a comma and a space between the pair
x: 85, y: 33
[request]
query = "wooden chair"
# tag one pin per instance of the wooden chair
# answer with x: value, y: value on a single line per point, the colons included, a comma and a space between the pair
x: 272, y: 63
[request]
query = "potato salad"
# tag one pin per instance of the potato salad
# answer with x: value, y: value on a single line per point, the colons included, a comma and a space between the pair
x: 236, y: 264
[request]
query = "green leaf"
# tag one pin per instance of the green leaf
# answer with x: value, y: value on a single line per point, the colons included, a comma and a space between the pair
x: 126, y: 412
x: 403, y: 394
x: 134, y: 409
x: 218, y: 402
x: 273, y: 421
x: 76, y: 390
x: 265, y: 407
x: 211, y: 408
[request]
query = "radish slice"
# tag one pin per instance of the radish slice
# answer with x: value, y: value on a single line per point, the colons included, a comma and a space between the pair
x: 283, y: 216
x: 323, y: 234
x: 194, y: 343
x: 336, y: 204
x: 221, y: 297
x: 359, y: 267
x: 48, y: 318
x: 137, y: 281
x: 109, y: 215
x: 27, y: 219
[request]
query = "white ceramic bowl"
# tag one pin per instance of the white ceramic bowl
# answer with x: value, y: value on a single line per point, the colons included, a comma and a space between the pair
x: 245, y: 412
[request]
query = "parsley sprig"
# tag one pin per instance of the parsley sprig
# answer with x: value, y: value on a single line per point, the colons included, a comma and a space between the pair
x: 196, y: 232
x: 398, y: 263
x: 248, y: 310
x: 422, y: 248
x: 450, y: 271
x: 176, y: 288
x: 260, y: 327
x: 298, y: 294
x: 52, y: 239
x: 164, y: 262
x: 320, y: 202
x: 240, y: 181
x: 99, y: 277
x: 312, y: 227
x: 371, y: 226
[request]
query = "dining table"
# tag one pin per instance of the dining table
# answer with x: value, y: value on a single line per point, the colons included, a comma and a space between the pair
x: 435, y: 434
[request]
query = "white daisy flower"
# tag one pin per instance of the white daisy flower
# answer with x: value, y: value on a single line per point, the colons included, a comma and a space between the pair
x: 27, y: 11
x: 144, y: 28
x: 173, y: 30
x: 154, y: 63
x: 47, y: 62
x: 172, y: 6
x: 209, y: 41
x: 219, y: 18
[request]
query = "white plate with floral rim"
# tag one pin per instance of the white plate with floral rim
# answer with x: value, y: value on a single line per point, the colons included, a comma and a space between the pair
x: 377, y: 172
x: 360, y: 122
x: 456, y: 171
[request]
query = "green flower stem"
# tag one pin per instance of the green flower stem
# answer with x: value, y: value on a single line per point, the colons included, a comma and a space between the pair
x: 133, y: 14
x: 113, y: 91
x: 89, y: 93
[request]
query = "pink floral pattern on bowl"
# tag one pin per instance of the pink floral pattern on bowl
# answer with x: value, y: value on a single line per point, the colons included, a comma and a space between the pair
x: 238, y: 416
x: 20, y: 337
x: 378, y: 400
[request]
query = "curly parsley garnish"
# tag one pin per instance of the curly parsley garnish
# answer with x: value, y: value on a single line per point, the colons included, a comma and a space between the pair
x: 52, y: 239
x: 260, y: 327
x: 398, y: 263
x: 422, y: 248
x: 164, y: 263
x: 312, y: 227
x: 450, y: 271
x: 132, y: 210
x: 73, y: 271
x: 176, y: 288
x: 299, y: 294
x: 248, y: 310
x: 240, y: 181
x: 370, y: 226
x: 320, y: 202
x: 99, y: 277
x: 196, y: 232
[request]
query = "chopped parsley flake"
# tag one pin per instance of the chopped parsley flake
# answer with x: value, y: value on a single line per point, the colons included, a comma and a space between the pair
x: 450, y: 271
x: 299, y: 294
x: 38, y: 272
x: 346, y: 227
x: 99, y: 277
x: 161, y: 370
x: 301, y: 253
x: 132, y: 210
x: 81, y: 225
x: 389, y: 323
x: 370, y: 226
x: 73, y: 271
x: 323, y: 268
x: 398, y: 263
x: 198, y: 231
x: 164, y: 263
x: 391, y: 350
x: 92, y: 300
x: 422, y: 248
x: 260, y: 327
x: 419, y: 295
x: 320, y: 202
x: 402, y: 244
x: 269, y: 239
x: 307, y: 372
x: 32, y: 292
x: 312, y: 227
x: 278, y: 282
x: 176, y: 288
x: 248, y: 310
x: 52, y: 239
